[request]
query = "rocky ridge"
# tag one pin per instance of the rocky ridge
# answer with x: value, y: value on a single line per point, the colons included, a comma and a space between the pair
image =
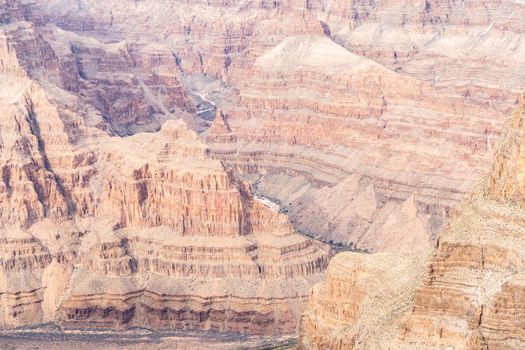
x: 317, y: 108
x: 330, y: 108
x: 469, y: 295
x: 285, y: 128
x: 477, y: 266
x: 361, y: 301
x: 104, y: 231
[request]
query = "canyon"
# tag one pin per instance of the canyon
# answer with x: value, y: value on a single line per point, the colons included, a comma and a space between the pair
x: 186, y: 165
x: 467, y: 296
x: 286, y: 127
x: 103, y: 231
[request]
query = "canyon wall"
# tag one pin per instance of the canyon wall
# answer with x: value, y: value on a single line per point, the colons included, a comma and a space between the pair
x: 318, y: 119
x: 384, y: 100
x: 472, y: 47
x: 361, y: 301
x: 467, y: 298
x: 146, y: 230
x: 369, y: 128
x: 286, y: 127
x: 367, y: 122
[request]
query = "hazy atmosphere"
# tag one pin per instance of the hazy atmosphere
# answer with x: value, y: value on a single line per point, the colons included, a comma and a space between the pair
x: 262, y: 174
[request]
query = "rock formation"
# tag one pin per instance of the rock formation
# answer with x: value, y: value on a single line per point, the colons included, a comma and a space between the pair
x: 293, y: 121
x: 362, y: 300
x: 123, y: 202
x: 473, y: 47
x: 470, y: 296
x: 104, y: 231
x: 294, y: 77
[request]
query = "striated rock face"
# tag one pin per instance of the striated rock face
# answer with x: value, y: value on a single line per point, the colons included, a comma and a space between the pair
x: 103, y: 231
x: 346, y: 124
x: 31, y: 190
x: 473, y: 47
x: 133, y: 88
x: 360, y: 303
x: 365, y: 121
x: 471, y: 294
x: 506, y: 183
x: 384, y: 100
x: 286, y: 123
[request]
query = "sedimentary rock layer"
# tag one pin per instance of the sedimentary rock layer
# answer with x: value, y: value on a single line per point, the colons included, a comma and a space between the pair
x: 386, y: 101
x: 362, y: 300
x: 366, y: 121
x: 147, y: 230
x: 473, y: 47
x: 348, y: 125
x: 470, y: 296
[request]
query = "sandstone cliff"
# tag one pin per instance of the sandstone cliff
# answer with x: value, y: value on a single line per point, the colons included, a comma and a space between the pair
x: 362, y: 300
x: 345, y: 124
x: 470, y: 295
x: 472, y: 47
x: 385, y: 100
x: 104, y: 231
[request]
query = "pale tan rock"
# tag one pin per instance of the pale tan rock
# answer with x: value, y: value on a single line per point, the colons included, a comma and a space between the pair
x: 362, y: 300
x: 371, y: 145
x: 353, y: 118
x: 470, y: 295
x: 324, y: 90
x: 146, y: 231
x: 472, y: 47
x: 467, y: 300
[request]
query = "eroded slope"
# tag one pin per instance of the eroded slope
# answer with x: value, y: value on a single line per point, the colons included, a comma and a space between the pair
x: 103, y: 231
x: 470, y: 295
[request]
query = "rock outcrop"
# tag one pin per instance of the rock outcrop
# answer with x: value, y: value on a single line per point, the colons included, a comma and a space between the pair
x: 147, y: 230
x: 313, y: 95
x: 346, y: 124
x: 311, y: 102
x: 471, y: 47
x: 471, y: 294
x: 362, y: 300
x: 133, y: 88
x: 479, y: 50
x: 365, y: 121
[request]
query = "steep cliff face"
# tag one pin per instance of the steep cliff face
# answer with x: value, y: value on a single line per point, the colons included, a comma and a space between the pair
x: 473, y: 47
x: 367, y: 121
x: 378, y: 128
x: 219, y: 38
x: 307, y: 116
x: 346, y: 124
x: 133, y: 87
x: 362, y: 300
x: 32, y: 147
x: 102, y: 231
x: 469, y: 296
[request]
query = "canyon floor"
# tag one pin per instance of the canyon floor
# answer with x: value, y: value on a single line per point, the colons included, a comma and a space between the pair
x: 42, y: 338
